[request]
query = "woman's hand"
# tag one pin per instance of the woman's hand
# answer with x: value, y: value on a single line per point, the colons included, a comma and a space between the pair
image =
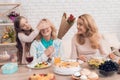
x: 112, y: 56
x: 83, y: 58
x: 49, y: 51
x: 42, y: 26
x: 39, y: 27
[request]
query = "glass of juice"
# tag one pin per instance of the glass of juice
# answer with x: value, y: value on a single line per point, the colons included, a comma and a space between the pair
x: 57, y: 60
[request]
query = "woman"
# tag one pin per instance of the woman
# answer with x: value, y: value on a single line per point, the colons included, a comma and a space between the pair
x: 24, y: 36
x: 87, y: 40
x: 46, y: 44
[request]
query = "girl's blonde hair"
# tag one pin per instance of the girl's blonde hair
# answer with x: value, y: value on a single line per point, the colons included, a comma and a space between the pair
x: 53, y: 33
x: 91, y: 31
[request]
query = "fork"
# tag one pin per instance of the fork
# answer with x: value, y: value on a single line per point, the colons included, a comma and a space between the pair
x: 49, y: 60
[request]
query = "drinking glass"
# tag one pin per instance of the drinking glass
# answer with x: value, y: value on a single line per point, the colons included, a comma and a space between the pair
x: 57, y: 60
x: 29, y: 59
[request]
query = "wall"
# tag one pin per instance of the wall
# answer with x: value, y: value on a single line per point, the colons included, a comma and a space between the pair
x: 105, y: 12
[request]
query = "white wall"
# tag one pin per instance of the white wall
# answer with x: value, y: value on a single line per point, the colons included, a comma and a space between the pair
x: 105, y: 12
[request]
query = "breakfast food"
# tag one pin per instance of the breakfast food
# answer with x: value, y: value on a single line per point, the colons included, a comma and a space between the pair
x: 41, y: 65
x: 66, y: 67
x: 109, y: 65
x: 93, y: 76
x: 48, y: 76
x: 108, y: 68
x: 94, y: 63
x: 83, y: 77
x: 85, y: 74
x: 85, y: 71
x: 76, y: 76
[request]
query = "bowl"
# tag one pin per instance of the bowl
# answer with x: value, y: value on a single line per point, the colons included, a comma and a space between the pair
x: 106, y: 73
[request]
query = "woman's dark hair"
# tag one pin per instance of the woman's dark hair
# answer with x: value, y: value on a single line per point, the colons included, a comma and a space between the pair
x: 19, y: 45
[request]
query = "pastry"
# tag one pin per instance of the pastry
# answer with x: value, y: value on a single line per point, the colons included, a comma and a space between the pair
x: 83, y: 77
x: 85, y: 71
x: 93, y: 76
x: 76, y: 76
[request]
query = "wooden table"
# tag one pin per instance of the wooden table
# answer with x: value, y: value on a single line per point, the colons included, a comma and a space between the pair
x: 23, y: 74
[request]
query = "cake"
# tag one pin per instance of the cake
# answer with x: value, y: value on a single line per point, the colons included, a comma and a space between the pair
x: 66, y: 67
x: 48, y: 76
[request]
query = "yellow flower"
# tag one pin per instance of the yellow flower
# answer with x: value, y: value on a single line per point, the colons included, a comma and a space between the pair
x: 9, y: 33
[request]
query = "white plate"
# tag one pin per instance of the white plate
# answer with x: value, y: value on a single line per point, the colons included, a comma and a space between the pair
x: 33, y: 66
x: 66, y: 71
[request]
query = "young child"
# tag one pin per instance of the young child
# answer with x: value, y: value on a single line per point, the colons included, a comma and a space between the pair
x: 24, y: 36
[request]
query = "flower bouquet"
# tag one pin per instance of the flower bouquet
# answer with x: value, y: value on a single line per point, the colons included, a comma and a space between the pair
x: 12, y: 15
x: 65, y: 25
x: 9, y: 33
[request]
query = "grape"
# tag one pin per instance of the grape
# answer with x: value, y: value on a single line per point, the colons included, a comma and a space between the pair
x: 109, y: 65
